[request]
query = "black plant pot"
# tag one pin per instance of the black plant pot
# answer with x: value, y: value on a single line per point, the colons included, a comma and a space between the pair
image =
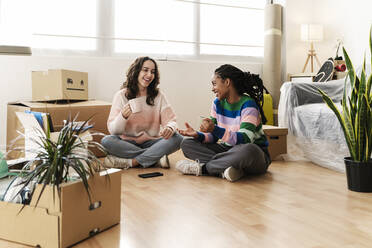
x: 359, y: 175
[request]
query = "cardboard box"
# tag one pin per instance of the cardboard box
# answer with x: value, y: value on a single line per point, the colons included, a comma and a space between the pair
x: 98, y: 110
x: 277, y: 137
x: 61, y: 221
x: 59, y: 85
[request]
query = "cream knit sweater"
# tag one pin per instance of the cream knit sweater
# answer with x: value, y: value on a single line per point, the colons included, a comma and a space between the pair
x: 144, y: 125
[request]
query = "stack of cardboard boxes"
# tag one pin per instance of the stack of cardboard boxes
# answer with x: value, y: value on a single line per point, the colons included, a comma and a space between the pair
x: 62, y: 94
x: 60, y: 220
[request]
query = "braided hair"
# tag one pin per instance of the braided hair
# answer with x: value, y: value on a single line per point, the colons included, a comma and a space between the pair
x: 245, y: 83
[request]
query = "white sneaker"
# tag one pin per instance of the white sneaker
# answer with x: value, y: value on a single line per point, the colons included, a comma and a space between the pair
x: 164, y: 162
x: 116, y: 162
x: 231, y: 174
x: 189, y: 167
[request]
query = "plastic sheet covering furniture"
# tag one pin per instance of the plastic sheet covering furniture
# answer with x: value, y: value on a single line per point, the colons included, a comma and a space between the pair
x: 314, y: 133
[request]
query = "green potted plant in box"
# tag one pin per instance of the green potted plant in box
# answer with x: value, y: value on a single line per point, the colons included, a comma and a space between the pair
x: 73, y: 198
x: 59, y: 157
x: 356, y: 122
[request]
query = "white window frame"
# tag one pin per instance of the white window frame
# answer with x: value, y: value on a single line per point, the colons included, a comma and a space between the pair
x: 105, y: 39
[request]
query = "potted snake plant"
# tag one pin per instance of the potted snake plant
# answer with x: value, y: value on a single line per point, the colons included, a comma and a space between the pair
x: 356, y: 122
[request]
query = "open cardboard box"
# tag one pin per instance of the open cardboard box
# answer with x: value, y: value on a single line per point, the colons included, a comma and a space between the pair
x: 33, y: 131
x: 97, y: 109
x: 61, y: 221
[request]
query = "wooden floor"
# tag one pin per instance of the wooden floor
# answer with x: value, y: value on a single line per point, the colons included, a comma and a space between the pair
x: 294, y: 205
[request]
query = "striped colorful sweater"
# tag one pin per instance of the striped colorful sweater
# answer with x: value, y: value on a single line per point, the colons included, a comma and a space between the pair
x: 144, y: 125
x: 237, y: 123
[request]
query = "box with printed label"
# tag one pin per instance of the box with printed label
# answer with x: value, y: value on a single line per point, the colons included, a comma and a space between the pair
x: 59, y: 85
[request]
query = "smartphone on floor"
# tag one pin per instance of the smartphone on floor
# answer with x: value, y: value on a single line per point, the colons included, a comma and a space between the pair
x: 151, y: 174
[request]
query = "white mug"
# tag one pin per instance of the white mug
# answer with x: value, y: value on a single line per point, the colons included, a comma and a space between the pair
x: 135, y: 105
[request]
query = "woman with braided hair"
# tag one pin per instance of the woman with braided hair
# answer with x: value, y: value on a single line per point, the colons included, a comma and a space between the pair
x: 231, y: 143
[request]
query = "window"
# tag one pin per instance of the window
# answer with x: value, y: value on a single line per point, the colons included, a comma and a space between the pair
x: 231, y: 30
x: 147, y: 26
x: 15, y: 23
x: 67, y: 24
x: 49, y: 24
x: 181, y: 27
x: 161, y: 28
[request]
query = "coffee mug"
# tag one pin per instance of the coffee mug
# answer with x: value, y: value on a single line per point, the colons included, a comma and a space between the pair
x: 135, y: 105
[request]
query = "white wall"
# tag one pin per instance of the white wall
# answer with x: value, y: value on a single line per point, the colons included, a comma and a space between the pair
x: 349, y: 20
x: 296, y: 13
x: 186, y: 84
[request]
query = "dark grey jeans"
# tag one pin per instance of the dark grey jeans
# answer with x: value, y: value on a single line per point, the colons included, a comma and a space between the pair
x: 147, y: 153
x: 217, y: 157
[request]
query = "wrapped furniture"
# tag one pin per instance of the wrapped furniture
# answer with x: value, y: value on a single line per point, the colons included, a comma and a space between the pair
x: 314, y: 133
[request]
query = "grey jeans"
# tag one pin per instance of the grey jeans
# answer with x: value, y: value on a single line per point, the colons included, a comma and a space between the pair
x: 147, y: 153
x: 217, y: 157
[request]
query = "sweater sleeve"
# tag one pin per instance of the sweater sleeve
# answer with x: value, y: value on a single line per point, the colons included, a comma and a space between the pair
x: 116, y: 122
x: 209, y: 137
x: 167, y: 115
x: 250, y: 120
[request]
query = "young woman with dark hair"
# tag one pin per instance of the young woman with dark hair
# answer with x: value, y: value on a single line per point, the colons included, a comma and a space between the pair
x: 142, y: 123
x: 231, y: 143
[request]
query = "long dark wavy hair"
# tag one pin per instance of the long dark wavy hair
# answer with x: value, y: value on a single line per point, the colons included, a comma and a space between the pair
x: 131, y: 84
x: 245, y: 83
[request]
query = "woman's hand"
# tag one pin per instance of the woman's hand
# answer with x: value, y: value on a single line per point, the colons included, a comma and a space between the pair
x: 207, y: 125
x: 126, y: 111
x: 189, y: 131
x: 166, y: 133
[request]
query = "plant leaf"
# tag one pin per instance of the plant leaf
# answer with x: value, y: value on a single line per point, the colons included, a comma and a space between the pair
x: 361, y: 125
x: 370, y: 43
x: 369, y: 82
x: 350, y: 68
x: 347, y: 132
